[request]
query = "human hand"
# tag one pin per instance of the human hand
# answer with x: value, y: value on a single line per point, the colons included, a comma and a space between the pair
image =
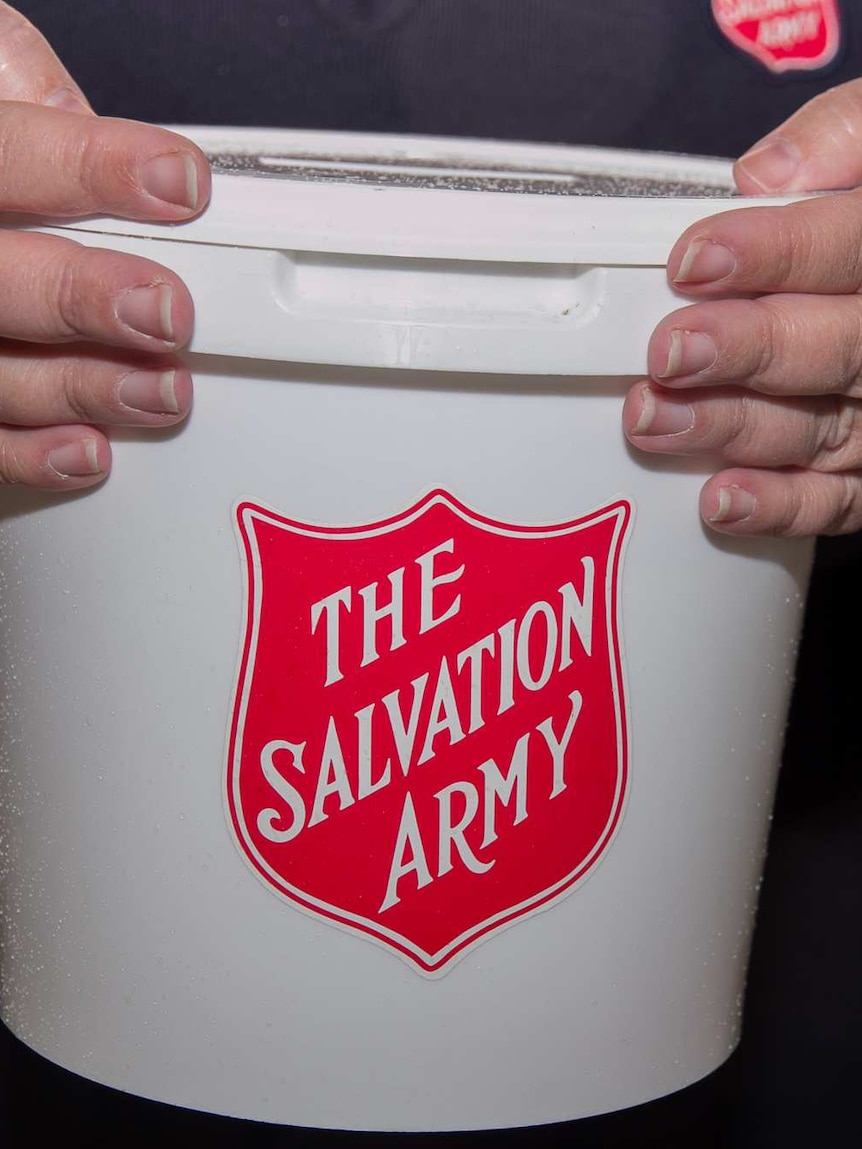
x: 86, y: 335
x: 770, y: 382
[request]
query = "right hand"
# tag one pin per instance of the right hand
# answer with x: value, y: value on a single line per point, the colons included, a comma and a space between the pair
x: 86, y: 335
x: 762, y: 372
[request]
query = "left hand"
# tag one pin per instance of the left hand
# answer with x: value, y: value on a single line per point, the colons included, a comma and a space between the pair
x: 765, y: 372
x: 88, y: 336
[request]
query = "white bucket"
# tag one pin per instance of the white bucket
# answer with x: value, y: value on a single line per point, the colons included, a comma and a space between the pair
x: 391, y: 747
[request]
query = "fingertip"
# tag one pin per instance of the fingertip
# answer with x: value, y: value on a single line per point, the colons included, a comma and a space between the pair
x: 682, y: 345
x: 769, y: 167
x: 727, y: 506
x: 746, y: 182
x: 638, y: 410
x: 182, y: 315
x: 204, y: 177
x: 77, y: 462
x: 136, y: 171
x: 175, y: 141
x: 703, y: 262
x: 660, y: 353
x: 178, y: 182
x: 164, y: 391
x: 816, y: 149
x: 683, y: 254
x: 183, y: 389
x: 158, y: 310
x: 790, y: 503
x: 176, y: 176
x: 61, y: 458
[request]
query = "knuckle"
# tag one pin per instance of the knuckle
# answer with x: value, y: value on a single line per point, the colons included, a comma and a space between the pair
x: 839, y: 427
x: 819, y: 504
x: 795, y: 516
x: 769, y: 336
x: 793, y: 350
x: 838, y: 435
x: 849, y: 351
x: 78, y: 393
x: 736, y: 430
x: 845, y: 505
x: 99, y: 165
x: 71, y: 293
x: 83, y: 282
x: 814, y: 238
x: 835, y: 227
x: 796, y: 243
x: 12, y: 473
x: 845, y: 248
x: 86, y: 158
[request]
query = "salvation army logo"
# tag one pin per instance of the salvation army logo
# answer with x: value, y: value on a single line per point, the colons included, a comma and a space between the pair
x: 429, y: 735
x: 782, y: 34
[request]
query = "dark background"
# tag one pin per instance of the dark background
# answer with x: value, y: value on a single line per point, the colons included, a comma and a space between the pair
x: 631, y: 73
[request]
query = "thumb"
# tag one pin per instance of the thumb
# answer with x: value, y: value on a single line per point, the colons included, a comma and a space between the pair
x: 818, y: 149
x: 29, y: 68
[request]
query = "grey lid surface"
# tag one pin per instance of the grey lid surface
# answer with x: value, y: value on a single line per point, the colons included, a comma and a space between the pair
x: 458, y: 174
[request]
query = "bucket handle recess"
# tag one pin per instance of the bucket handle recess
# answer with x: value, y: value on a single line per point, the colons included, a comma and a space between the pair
x: 414, y: 313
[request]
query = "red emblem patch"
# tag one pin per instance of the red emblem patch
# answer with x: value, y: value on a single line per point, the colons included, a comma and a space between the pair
x: 782, y: 34
x: 429, y: 728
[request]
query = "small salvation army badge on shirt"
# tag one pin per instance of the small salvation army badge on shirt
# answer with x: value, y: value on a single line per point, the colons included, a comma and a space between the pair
x: 429, y: 735
x: 783, y: 35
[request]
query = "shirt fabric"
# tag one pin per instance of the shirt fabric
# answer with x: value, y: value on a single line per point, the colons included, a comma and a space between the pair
x: 623, y: 73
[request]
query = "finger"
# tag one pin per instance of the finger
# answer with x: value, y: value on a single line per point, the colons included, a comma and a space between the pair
x: 811, y: 246
x: 39, y: 389
x: 817, y: 148
x: 56, y: 163
x: 750, y: 430
x: 54, y: 458
x: 30, y: 69
x: 53, y: 290
x: 777, y: 345
x: 786, y: 503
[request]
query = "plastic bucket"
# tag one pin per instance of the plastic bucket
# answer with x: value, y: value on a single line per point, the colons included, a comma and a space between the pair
x: 390, y: 747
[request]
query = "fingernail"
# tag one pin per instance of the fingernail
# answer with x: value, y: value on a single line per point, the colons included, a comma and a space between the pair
x: 689, y: 353
x: 75, y: 459
x: 68, y: 100
x: 148, y: 310
x: 705, y: 262
x: 662, y: 416
x: 150, y: 391
x: 172, y: 178
x: 735, y: 504
x: 772, y: 165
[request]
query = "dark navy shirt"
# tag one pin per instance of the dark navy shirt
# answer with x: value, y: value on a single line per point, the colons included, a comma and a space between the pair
x: 626, y: 73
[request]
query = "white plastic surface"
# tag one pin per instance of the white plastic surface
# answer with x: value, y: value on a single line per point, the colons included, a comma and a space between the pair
x: 138, y: 948
x: 413, y: 277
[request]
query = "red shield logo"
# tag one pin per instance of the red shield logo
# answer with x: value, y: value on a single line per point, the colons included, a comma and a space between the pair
x: 429, y: 729
x: 782, y: 34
